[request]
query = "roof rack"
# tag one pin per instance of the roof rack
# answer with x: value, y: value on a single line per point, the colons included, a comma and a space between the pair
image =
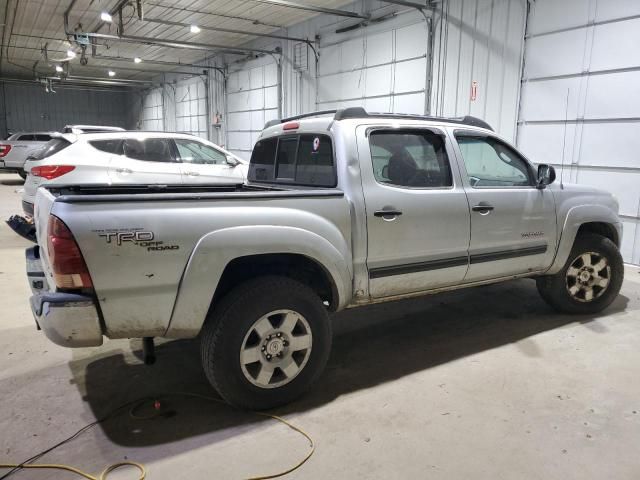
x: 359, y: 112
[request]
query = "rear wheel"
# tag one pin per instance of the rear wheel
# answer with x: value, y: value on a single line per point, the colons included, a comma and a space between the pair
x: 266, y: 342
x: 590, y: 279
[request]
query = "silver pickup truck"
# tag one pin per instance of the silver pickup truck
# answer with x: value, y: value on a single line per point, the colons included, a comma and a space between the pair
x: 341, y: 209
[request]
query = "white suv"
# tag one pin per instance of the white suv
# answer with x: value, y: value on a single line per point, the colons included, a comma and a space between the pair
x: 134, y: 157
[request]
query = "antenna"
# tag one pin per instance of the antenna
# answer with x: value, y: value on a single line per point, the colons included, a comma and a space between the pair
x: 564, y: 137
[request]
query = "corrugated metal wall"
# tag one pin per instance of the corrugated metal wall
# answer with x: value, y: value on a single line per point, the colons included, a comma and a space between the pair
x: 581, y: 99
x: 252, y: 100
x: 29, y: 107
x: 479, y: 42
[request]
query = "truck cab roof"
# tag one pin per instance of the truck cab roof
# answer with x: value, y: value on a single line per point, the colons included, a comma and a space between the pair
x: 322, y: 120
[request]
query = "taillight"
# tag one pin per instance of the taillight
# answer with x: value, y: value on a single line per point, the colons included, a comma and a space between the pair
x: 51, y: 171
x: 69, y: 268
x: 4, y: 149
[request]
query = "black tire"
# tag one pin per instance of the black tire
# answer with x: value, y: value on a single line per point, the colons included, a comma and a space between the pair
x: 22, y: 174
x: 555, y: 289
x: 224, y: 333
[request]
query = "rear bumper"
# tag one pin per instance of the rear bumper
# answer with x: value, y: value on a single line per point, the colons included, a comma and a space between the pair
x: 67, y: 319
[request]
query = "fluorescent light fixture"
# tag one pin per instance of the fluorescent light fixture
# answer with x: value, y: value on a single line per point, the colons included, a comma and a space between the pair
x: 71, y: 53
x: 106, y: 17
x: 59, y: 69
x: 112, y: 73
x: 137, y: 60
x: 195, y: 29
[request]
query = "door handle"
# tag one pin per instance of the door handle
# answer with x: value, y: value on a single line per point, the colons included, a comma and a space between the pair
x: 387, y: 213
x: 193, y: 174
x: 124, y: 170
x: 482, y: 209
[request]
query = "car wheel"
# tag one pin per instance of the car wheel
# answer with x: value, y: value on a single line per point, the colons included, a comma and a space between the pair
x: 266, y: 342
x: 590, y: 279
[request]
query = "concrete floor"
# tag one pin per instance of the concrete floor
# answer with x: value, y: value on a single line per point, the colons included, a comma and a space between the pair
x: 487, y: 383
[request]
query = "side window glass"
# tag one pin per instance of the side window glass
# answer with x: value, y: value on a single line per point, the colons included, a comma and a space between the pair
x: 491, y: 163
x: 25, y: 138
x: 195, y: 152
x: 414, y: 158
x: 108, y: 146
x: 149, y: 150
x: 42, y: 138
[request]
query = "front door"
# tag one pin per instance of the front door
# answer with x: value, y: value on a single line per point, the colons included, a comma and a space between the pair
x: 513, y: 224
x: 416, y: 209
x: 201, y: 163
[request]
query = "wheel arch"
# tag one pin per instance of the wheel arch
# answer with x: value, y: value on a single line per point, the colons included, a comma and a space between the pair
x: 227, y: 257
x: 581, y: 219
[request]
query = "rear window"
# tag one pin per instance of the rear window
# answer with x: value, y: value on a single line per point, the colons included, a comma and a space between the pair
x: 52, y: 147
x: 305, y: 159
x: 109, y: 146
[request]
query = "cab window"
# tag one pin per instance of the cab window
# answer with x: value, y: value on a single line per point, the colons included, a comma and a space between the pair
x: 410, y: 158
x: 492, y: 163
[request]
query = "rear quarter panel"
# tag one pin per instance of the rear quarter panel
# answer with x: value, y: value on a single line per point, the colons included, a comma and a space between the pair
x: 137, y: 282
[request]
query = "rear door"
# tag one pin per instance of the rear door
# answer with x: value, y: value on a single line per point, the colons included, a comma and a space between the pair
x: 146, y: 161
x: 417, y: 211
x: 513, y: 224
x: 201, y: 163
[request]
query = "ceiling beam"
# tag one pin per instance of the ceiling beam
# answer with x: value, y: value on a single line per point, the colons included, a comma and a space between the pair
x: 156, y: 62
x: 171, y: 43
x: 404, y: 3
x: 227, y: 30
x: 312, y: 8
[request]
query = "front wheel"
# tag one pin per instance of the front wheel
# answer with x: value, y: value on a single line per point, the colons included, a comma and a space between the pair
x: 266, y: 342
x: 590, y: 279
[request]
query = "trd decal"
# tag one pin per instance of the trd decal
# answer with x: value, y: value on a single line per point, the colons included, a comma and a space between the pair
x: 139, y: 237
x: 532, y: 234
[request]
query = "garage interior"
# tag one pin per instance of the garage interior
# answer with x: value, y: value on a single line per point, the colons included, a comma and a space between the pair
x: 487, y: 382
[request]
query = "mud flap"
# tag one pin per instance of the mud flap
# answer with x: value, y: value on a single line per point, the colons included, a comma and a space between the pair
x: 23, y: 227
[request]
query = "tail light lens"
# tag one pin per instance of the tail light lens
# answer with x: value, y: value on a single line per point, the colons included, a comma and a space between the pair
x: 69, y: 269
x: 51, y: 171
x: 4, y: 149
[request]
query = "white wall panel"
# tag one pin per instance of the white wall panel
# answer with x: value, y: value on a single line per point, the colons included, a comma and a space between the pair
x: 252, y: 100
x: 372, y: 68
x: 601, y: 133
x: 480, y: 41
x: 613, y: 95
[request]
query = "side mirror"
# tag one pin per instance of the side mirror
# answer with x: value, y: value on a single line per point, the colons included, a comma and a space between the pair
x: 232, y: 162
x: 546, y: 176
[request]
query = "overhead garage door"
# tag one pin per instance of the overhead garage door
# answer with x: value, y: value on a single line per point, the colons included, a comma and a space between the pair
x: 191, y: 107
x: 252, y: 100
x: 382, y: 68
x: 586, y: 52
x: 152, y: 111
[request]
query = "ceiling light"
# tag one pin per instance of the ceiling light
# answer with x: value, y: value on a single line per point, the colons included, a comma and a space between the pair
x: 106, y: 17
x: 71, y: 53
x: 112, y: 73
x: 195, y: 29
x: 59, y: 69
x: 137, y: 60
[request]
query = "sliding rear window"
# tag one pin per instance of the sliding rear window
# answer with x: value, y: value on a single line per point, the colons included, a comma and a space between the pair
x: 305, y: 159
